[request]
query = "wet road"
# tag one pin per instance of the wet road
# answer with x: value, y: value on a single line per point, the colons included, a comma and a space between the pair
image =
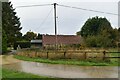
x: 61, y: 71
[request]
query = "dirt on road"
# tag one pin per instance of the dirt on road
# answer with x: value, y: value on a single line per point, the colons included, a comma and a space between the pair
x: 5, y: 59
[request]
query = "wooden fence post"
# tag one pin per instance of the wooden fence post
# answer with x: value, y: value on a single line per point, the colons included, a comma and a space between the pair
x: 47, y: 55
x: 35, y: 53
x: 104, y: 55
x: 85, y: 55
x: 65, y: 54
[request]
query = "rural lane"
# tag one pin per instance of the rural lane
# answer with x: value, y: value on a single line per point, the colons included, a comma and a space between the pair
x: 59, y: 70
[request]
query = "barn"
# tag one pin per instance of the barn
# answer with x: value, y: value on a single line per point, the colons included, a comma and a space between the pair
x: 60, y: 40
x: 48, y: 40
x: 36, y: 43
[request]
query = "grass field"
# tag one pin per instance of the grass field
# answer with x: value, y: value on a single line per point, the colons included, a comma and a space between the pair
x: 69, y: 61
x: 15, y: 75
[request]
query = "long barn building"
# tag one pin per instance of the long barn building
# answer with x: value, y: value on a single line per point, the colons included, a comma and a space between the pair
x: 60, y: 40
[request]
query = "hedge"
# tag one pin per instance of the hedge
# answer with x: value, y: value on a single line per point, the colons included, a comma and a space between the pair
x: 22, y: 44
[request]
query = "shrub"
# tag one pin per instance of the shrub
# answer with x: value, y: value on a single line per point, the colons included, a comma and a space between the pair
x: 22, y: 44
x: 91, y: 41
x: 99, y: 41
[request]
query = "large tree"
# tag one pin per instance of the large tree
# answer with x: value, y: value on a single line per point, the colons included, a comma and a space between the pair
x: 10, y: 23
x: 98, y: 32
x: 4, y: 42
x: 30, y: 35
x: 95, y: 26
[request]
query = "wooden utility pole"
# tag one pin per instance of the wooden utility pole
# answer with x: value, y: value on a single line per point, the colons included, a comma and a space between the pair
x: 55, y: 25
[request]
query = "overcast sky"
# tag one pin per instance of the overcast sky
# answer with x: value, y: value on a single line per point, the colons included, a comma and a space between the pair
x: 69, y: 20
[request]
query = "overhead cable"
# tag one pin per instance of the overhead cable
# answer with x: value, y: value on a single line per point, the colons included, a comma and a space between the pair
x: 88, y: 9
x: 33, y: 5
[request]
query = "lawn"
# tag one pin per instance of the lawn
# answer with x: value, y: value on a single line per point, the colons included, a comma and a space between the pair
x: 16, y: 75
x: 69, y: 61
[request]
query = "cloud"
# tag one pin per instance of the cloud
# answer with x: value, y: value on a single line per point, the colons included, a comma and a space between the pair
x: 69, y: 20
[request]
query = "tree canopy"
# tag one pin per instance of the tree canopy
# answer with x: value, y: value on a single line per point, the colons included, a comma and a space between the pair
x: 98, y: 32
x: 39, y: 36
x: 95, y: 26
x: 4, y: 42
x: 30, y: 35
x: 10, y: 23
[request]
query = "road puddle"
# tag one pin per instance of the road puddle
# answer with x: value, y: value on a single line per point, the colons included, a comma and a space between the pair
x: 64, y: 71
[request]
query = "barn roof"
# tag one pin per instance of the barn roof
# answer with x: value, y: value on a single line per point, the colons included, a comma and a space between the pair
x: 36, y: 41
x: 61, y: 39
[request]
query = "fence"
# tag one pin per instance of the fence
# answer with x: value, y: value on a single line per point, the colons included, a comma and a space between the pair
x: 77, y: 54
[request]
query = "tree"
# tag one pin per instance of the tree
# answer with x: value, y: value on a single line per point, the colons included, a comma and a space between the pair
x: 10, y: 23
x: 94, y: 26
x: 30, y: 35
x: 78, y: 33
x: 99, y: 41
x: 4, y: 42
x: 119, y: 29
x: 98, y: 32
x: 118, y: 35
x: 39, y: 36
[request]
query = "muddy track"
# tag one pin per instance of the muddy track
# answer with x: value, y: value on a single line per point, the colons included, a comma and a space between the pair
x: 8, y: 59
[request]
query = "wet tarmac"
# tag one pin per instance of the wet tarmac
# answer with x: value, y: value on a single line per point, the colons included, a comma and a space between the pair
x: 59, y: 70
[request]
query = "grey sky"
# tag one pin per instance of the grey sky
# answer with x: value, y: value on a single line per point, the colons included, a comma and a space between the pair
x: 69, y: 20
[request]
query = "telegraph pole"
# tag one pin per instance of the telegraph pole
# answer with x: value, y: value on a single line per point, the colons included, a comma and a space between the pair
x: 55, y: 24
x: 55, y: 18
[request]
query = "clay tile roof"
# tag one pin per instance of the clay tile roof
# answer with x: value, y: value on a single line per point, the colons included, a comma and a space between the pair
x: 61, y: 39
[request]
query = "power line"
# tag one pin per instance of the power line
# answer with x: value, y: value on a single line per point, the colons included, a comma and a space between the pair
x: 88, y: 9
x: 69, y: 7
x: 33, y: 5
x: 45, y: 19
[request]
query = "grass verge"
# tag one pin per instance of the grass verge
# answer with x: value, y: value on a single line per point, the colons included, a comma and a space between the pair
x: 68, y: 62
x: 16, y: 75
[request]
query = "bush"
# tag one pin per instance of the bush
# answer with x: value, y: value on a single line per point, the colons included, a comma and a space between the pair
x: 99, y: 41
x: 22, y: 44
x: 91, y: 41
